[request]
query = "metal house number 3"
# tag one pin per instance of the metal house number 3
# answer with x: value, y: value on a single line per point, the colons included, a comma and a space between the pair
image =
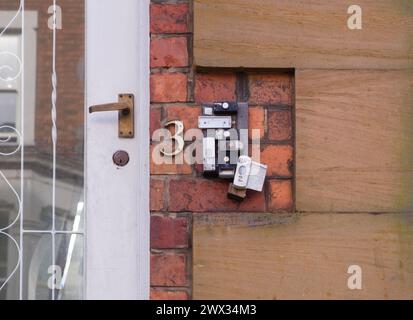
x: 177, y: 138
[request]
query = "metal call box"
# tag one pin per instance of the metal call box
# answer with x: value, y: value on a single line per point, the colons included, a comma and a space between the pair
x: 222, y: 143
x: 225, y: 147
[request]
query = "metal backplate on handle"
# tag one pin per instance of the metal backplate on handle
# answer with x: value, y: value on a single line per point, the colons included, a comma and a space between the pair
x: 126, y: 109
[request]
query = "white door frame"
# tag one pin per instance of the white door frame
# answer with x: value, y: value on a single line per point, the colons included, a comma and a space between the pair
x: 117, y: 200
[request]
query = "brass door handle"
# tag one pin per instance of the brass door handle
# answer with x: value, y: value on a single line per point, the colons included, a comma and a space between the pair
x: 126, y: 109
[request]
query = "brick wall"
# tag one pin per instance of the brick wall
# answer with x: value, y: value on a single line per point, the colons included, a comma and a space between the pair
x: 171, y: 78
x: 179, y: 191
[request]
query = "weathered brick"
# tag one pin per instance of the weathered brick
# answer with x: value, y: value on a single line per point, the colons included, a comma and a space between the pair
x: 257, y: 121
x: 187, y: 114
x: 169, y: 52
x: 168, y: 269
x: 279, y: 159
x: 157, y: 195
x: 169, y: 232
x: 168, y: 165
x: 275, y: 89
x: 214, y: 87
x: 279, y: 125
x: 199, y: 168
x: 280, y: 195
x: 169, y: 18
x: 163, y: 294
x: 200, y: 195
x: 155, y: 120
x: 169, y: 87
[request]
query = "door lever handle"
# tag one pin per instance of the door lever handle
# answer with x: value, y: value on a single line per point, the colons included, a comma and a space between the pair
x: 126, y: 109
x: 111, y: 107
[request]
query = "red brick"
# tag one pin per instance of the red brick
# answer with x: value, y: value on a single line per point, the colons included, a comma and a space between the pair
x: 199, y: 168
x: 279, y: 125
x: 175, y: 165
x: 155, y: 120
x: 188, y: 114
x: 201, y: 195
x: 169, y: 18
x: 162, y: 294
x: 257, y: 120
x: 169, y: 87
x: 169, y: 232
x: 273, y: 89
x: 279, y: 160
x: 169, y: 52
x: 280, y: 195
x: 168, y: 269
x: 157, y: 195
x: 214, y: 87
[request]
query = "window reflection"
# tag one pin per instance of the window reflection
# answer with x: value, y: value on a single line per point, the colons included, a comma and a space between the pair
x: 8, y: 103
x: 33, y: 118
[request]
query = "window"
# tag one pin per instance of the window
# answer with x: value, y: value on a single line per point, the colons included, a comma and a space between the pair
x: 9, y: 86
x: 8, y: 101
x: 10, y: 68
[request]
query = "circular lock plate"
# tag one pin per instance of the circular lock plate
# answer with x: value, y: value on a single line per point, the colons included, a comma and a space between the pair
x: 121, y: 158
